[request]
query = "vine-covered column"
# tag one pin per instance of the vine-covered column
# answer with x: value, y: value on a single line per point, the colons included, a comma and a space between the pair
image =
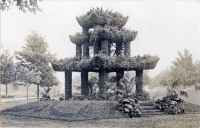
x: 86, y: 44
x: 96, y: 47
x: 119, y: 76
x: 84, y: 82
x: 118, y: 48
x: 78, y: 51
x: 127, y: 48
x: 102, y: 73
x: 139, y: 81
x: 109, y: 48
x: 68, y: 84
x: 103, y: 84
x: 104, y: 47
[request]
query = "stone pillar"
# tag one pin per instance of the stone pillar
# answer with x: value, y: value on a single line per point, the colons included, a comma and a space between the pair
x: 119, y: 76
x: 84, y: 82
x: 127, y: 48
x: 103, y: 84
x: 139, y: 81
x: 104, y: 47
x: 68, y: 84
x: 78, y: 51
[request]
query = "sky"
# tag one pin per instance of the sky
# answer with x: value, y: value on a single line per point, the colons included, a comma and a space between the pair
x: 164, y: 27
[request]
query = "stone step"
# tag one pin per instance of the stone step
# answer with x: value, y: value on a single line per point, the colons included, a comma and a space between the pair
x: 146, y: 107
x: 151, y: 111
x: 155, y: 113
x: 146, y: 103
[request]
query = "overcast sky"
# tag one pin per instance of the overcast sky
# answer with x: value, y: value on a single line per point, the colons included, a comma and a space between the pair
x: 164, y: 27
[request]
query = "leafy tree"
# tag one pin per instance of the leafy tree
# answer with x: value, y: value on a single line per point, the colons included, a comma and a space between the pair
x: 36, y: 57
x: 146, y: 78
x: 197, y: 75
x: 24, y: 5
x: 183, y: 68
x: 7, y: 69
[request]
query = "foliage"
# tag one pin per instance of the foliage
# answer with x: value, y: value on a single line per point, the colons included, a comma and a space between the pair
x: 183, y: 68
x: 171, y: 103
x: 35, y: 58
x: 129, y: 107
x: 146, y: 78
x: 100, y: 17
x: 24, y: 5
x: 79, y: 38
x: 107, y: 62
x: 7, y: 96
x: 7, y: 68
x: 112, y: 33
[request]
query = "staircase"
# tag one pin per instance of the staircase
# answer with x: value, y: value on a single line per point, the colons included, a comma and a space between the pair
x: 148, y: 110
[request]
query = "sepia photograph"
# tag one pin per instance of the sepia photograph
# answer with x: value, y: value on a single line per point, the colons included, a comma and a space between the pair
x: 88, y: 64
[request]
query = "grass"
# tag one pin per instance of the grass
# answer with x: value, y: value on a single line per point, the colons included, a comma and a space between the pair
x: 163, y: 121
x: 91, y: 114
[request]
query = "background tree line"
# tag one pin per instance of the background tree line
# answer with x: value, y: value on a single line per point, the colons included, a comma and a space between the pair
x: 31, y: 65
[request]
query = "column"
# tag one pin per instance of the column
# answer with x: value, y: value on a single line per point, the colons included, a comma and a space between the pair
x: 127, y: 48
x: 103, y: 84
x: 78, y: 51
x: 139, y: 81
x: 96, y: 47
x: 86, y: 45
x: 68, y: 84
x: 118, y: 48
x: 104, y: 47
x: 84, y: 82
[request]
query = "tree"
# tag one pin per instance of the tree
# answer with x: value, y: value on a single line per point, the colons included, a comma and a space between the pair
x: 146, y: 78
x: 183, y: 68
x: 36, y: 57
x: 7, y: 69
x: 24, y: 5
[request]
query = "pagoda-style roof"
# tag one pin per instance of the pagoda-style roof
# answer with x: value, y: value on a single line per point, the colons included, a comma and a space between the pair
x: 100, y: 17
x: 112, y: 33
x: 108, y: 63
x: 79, y: 38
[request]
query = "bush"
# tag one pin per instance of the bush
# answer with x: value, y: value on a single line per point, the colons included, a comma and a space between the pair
x: 171, y: 104
x: 129, y: 107
x: 7, y: 96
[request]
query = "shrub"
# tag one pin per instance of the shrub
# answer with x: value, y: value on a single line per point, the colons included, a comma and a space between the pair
x: 129, y: 107
x: 170, y: 104
x: 7, y: 96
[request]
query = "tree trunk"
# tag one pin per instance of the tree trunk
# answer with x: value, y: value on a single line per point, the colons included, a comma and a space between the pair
x: 38, y: 89
x: 6, y: 89
x: 103, y: 84
x: 27, y: 93
x: 139, y: 81
x: 68, y: 84
x: 84, y: 83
